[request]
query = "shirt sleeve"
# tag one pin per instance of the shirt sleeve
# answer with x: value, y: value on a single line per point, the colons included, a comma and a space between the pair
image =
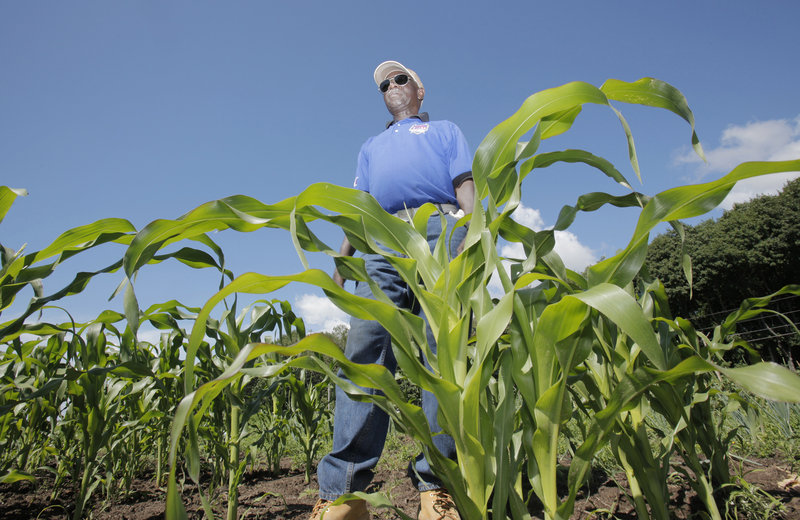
x: 361, y: 181
x: 460, y: 156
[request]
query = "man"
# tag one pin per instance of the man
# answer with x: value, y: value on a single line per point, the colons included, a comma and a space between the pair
x: 413, y: 162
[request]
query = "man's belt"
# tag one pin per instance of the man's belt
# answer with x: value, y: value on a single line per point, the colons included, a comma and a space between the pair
x: 408, y: 213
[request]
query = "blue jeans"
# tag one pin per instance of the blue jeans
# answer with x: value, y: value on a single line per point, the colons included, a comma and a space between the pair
x: 360, y: 428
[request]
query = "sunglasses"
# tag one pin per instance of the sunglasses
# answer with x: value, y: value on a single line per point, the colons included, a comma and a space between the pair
x: 399, y: 80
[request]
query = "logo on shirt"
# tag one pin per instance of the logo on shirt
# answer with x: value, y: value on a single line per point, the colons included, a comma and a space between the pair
x: 419, y: 128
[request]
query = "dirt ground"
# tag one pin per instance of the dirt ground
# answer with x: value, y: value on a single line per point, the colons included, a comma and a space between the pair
x: 287, y: 497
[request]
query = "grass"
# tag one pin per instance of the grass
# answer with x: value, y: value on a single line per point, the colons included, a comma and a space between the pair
x: 397, y: 452
x: 749, y: 501
x: 766, y: 429
x: 294, y: 450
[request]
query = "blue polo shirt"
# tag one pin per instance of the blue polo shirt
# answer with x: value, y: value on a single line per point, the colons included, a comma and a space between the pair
x: 413, y: 162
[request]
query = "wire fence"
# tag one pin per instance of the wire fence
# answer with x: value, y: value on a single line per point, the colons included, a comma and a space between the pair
x: 782, y: 320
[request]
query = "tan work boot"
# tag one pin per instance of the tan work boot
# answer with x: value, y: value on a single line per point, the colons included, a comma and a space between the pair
x: 350, y: 510
x: 437, y: 504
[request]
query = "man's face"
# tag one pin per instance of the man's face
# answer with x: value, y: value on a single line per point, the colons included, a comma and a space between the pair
x: 400, y: 97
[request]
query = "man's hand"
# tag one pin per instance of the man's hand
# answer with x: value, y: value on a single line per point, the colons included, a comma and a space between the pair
x: 338, y: 278
x: 347, y: 250
x: 465, y: 195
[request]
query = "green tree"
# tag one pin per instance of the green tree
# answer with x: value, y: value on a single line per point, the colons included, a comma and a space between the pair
x: 339, y: 335
x: 752, y: 250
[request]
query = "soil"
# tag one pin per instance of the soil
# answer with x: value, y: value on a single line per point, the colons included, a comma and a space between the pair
x: 286, y: 497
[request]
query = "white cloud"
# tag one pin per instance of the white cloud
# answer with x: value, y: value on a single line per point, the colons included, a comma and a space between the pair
x: 774, y: 140
x: 576, y: 256
x: 149, y: 335
x: 319, y: 313
x: 529, y: 217
x: 765, y: 185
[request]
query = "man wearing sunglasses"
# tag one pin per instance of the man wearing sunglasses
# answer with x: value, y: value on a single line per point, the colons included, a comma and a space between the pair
x: 412, y: 162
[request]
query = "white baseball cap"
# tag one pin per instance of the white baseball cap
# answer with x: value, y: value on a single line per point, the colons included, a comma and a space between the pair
x: 387, y: 66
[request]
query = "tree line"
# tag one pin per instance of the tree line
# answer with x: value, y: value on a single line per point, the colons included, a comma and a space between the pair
x: 752, y: 250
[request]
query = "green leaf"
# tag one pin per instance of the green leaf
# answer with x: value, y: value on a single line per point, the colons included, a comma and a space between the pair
x: 654, y: 93
x: 499, y: 145
x: 544, y: 160
x: 131, y: 308
x: 595, y: 201
x: 13, y: 475
x: 767, y: 380
x: 559, y: 123
x: 7, y: 197
x: 625, y: 312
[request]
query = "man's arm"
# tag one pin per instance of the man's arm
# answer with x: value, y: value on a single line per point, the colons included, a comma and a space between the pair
x: 347, y: 250
x: 465, y: 195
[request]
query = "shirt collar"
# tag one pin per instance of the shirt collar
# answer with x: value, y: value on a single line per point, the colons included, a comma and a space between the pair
x: 422, y: 116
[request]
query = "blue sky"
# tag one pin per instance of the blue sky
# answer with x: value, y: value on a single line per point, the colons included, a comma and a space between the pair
x: 146, y: 109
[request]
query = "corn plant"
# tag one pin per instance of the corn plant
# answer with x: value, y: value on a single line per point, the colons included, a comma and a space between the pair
x: 554, y: 338
x: 269, y: 425
x: 158, y: 401
x: 310, y: 415
x: 29, y: 414
x: 224, y: 425
x: 96, y: 422
x: 88, y: 398
x: 72, y: 395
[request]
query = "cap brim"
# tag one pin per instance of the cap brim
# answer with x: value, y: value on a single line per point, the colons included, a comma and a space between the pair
x: 389, y: 66
x: 385, y: 68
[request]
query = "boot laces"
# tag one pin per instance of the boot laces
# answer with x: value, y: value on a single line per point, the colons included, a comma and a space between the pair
x: 443, y: 504
x: 319, y: 507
